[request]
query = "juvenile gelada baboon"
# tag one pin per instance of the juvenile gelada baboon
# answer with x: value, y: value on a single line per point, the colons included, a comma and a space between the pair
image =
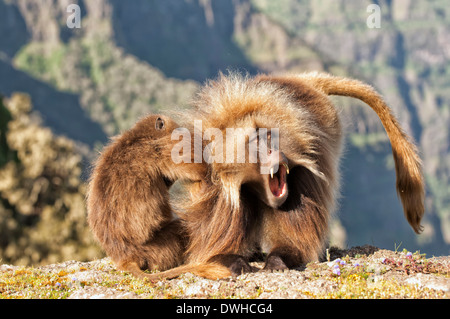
x: 284, y: 211
x: 128, y: 198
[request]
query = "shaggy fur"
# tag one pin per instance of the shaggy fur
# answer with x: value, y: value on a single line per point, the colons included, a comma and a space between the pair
x: 231, y: 220
x: 128, y: 199
x: 234, y: 210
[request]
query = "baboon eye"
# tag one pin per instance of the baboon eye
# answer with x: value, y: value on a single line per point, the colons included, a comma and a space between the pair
x: 159, y: 125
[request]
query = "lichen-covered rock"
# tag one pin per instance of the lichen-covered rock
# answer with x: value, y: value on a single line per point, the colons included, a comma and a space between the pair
x: 379, y: 274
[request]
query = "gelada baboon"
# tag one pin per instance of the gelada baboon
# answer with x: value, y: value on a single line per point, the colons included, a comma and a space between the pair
x: 284, y: 211
x: 128, y: 197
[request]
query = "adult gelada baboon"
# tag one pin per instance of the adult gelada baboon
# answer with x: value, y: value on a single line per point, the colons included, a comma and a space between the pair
x: 285, y: 211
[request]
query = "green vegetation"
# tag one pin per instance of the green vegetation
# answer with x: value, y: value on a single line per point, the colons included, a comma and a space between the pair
x: 42, y: 209
x: 34, y: 59
x: 360, y: 276
x: 115, y: 88
x: 5, y: 152
x: 368, y: 140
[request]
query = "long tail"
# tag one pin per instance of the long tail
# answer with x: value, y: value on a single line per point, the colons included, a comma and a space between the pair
x: 408, y: 167
x: 410, y: 184
x: 206, y: 270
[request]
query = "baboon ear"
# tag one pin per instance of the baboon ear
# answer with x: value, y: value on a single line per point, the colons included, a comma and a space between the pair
x: 159, y: 124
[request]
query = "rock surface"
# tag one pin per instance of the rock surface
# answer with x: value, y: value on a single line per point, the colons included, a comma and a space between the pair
x: 360, y: 272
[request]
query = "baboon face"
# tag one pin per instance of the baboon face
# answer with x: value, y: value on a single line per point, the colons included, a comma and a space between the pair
x: 264, y: 170
x: 291, y: 139
x: 268, y: 178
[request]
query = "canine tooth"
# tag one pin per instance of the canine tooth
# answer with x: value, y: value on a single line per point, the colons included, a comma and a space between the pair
x: 287, y: 168
x: 271, y: 172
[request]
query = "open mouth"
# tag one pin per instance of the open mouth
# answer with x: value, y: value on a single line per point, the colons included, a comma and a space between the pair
x: 277, y: 181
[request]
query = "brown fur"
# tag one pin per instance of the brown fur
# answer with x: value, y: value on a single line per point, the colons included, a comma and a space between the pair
x: 231, y: 220
x: 410, y: 185
x: 128, y: 198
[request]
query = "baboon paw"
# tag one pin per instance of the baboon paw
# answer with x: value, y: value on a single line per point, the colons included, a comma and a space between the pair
x: 240, y: 266
x: 275, y: 263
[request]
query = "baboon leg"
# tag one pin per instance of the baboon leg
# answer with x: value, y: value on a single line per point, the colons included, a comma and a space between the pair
x: 163, y: 251
x: 237, y: 264
x: 283, y: 257
x: 294, y: 237
x: 166, y: 249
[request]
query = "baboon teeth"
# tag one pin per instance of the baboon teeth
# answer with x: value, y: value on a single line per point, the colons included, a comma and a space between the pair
x: 287, y: 168
x: 271, y: 172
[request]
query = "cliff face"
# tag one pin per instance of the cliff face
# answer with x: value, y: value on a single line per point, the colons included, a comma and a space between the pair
x: 131, y: 58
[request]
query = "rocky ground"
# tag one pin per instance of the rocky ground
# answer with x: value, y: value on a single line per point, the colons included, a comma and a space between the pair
x: 359, y: 272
